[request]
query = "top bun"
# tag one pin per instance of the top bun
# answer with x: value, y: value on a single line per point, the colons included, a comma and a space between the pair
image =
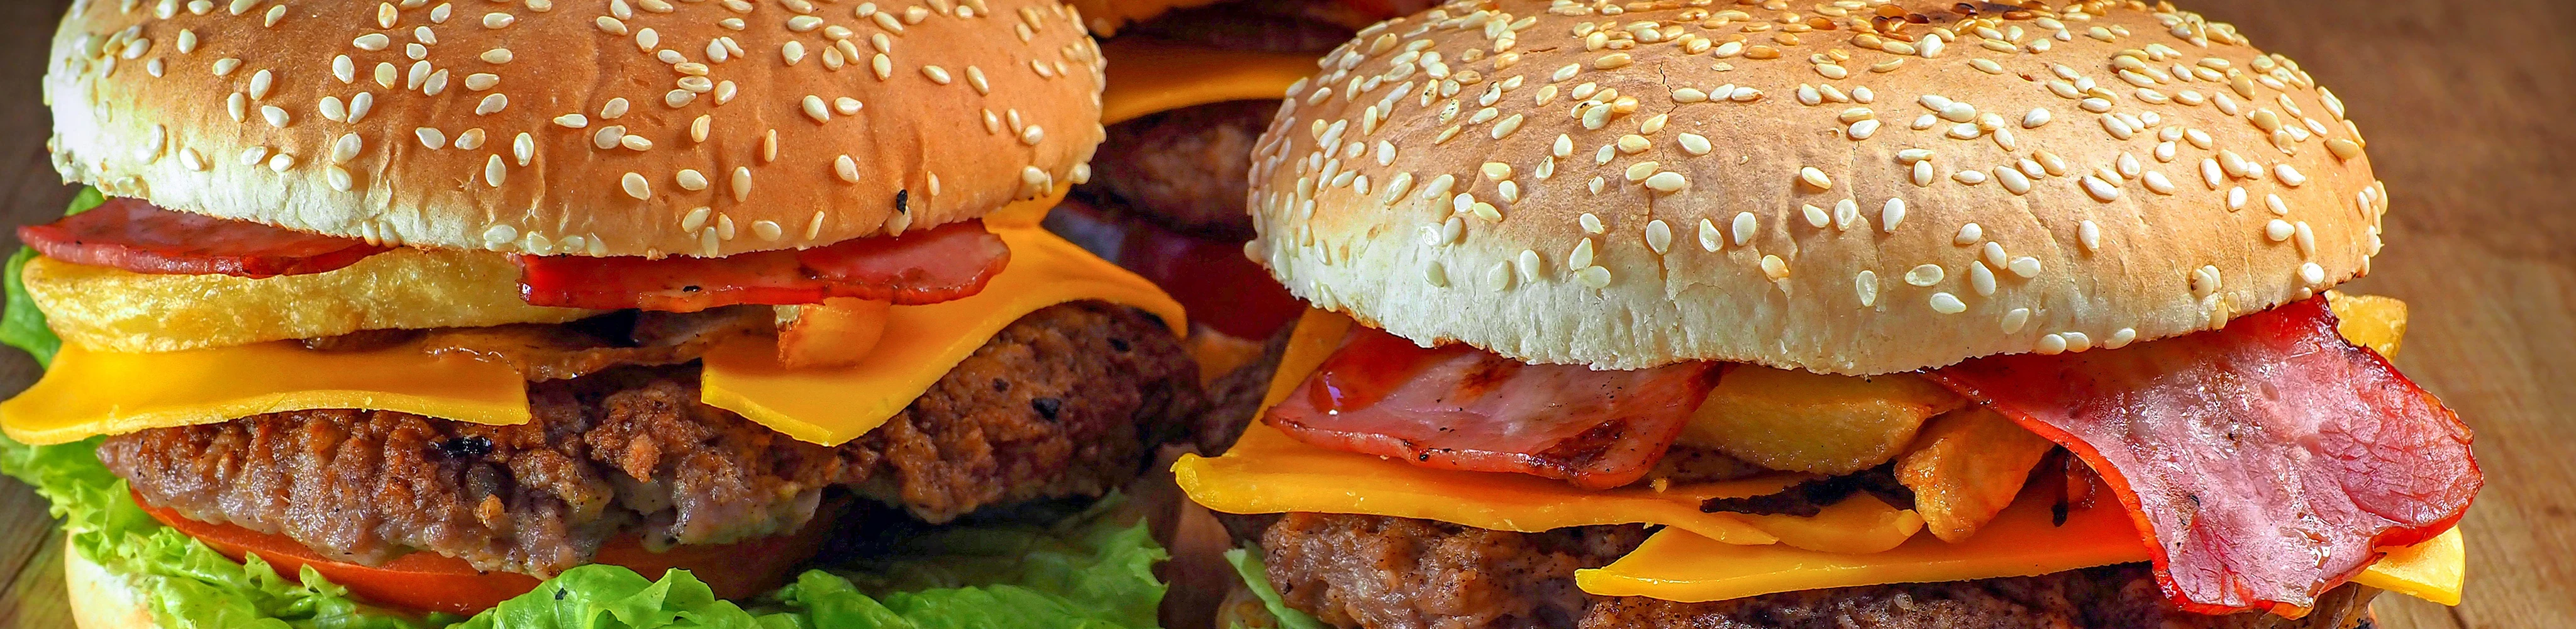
x: 1852, y: 191
x: 600, y: 127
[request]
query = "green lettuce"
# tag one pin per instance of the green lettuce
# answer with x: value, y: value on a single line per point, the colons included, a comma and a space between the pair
x: 22, y: 325
x: 1257, y: 578
x: 1090, y: 571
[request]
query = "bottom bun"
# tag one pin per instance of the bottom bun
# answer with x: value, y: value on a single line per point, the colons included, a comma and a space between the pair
x: 102, y: 599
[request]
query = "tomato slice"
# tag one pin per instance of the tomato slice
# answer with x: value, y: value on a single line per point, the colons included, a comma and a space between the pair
x: 430, y: 582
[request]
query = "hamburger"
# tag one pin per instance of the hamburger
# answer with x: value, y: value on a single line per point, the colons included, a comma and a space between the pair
x: 398, y: 313
x: 1909, y: 314
x: 1190, y: 85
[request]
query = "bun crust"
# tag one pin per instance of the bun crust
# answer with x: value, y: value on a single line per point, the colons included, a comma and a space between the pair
x: 727, y: 125
x: 1835, y: 193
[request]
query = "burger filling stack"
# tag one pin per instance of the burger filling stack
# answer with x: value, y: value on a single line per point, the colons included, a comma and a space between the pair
x: 600, y: 312
x: 1798, y: 314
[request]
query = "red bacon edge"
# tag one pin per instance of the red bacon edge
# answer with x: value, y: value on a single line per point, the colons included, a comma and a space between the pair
x: 2267, y: 462
x: 1459, y: 408
x: 137, y: 236
x: 924, y: 267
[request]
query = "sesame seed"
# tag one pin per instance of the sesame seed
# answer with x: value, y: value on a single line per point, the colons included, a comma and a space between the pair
x: 2288, y: 175
x: 372, y: 42
x: 1891, y: 214
x: 2026, y: 266
x: 1924, y: 275
x: 846, y: 168
x: 816, y: 110
x: 2014, y: 319
x: 497, y: 56
x: 1667, y: 182
x: 347, y: 148
x: 1815, y: 178
x: 1744, y: 226
x: 636, y: 186
x: 2311, y: 273
x: 2204, y: 281
x: 1946, y: 303
x: 2157, y: 182
x: 2101, y: 190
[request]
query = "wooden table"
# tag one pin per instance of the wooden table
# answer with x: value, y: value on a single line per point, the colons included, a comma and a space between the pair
x: 2465, y: 106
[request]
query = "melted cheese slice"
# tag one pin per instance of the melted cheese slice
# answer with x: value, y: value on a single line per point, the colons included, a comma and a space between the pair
x: 1269, y: 472
x: 921, y: 344
x: 1148, y: 76
x: 1699, y: 557
x: 87, y: 392
x: 1679, y: 566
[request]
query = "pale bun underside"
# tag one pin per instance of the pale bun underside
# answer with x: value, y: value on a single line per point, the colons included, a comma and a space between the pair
x: 1733, y: 107
x: 100, y: 599
x: 740, y: 126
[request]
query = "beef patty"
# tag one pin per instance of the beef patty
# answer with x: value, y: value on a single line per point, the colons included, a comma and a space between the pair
x: 1062, y: 403
x: 1379, y: 572
x: 1183, y: 169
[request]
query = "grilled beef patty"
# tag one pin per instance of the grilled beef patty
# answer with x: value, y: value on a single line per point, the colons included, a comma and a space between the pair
x: 1064, y: 402
x: 1377, y: 572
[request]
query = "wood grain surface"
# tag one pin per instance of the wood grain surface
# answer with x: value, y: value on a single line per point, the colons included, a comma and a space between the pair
x: 2466, y: 108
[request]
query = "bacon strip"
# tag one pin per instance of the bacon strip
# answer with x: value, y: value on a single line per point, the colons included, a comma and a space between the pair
x: 924, y: 267
x: 137, y: 236
x: 1459, y: 408
x: 2268, y: 461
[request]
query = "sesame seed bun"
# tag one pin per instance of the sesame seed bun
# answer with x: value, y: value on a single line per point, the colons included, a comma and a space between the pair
x: 727, y: 126
x: 1783, y: 187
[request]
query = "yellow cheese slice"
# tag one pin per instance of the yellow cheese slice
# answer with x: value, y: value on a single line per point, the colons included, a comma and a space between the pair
x: 2433, y: 570
x: 1148, y: 76
x: 88, y: 392
x: 1679, y: 566
x: 1700, y: 557
x: 1269, y: 472
x: 922, y: 343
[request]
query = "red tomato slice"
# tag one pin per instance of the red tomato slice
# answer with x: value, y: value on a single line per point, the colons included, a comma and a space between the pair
x: 430, y: 582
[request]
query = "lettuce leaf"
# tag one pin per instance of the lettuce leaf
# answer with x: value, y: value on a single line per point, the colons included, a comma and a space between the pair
x: 1090, y: 571
x: 22, y: 325
x: 1257, y: 578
